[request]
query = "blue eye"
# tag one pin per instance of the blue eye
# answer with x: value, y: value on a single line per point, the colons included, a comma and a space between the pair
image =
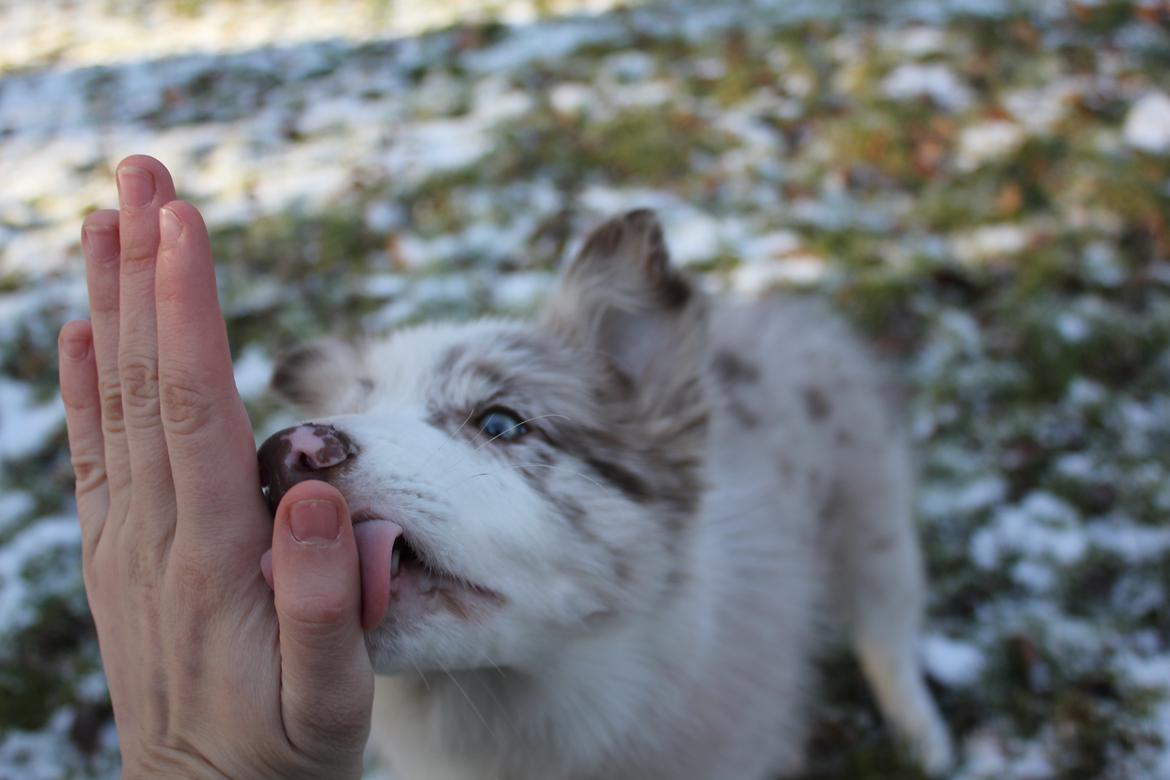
x: 500, y: 424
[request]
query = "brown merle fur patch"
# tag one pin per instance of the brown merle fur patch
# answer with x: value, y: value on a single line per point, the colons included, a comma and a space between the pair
x: 603, y: 430
x: 816, y: 403
x: 733, y: 369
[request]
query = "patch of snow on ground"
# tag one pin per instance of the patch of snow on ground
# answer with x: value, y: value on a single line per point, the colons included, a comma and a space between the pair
x: 1147, y: 125
x: 253, y: 370
x: 945, y: 500
x: 41, y: 539
x: 1132, y: 542
x: 14, y: 504
x: 1040, y: 108
x: 985, y: 142
x: 951, y: 661
x: 25, y: 424
x: 50, y: 754
x: 991, y: 242
x: 917, y: 41
x: 912, y: 81
x: 770, y: 246
x: 1072, y: 327
x: 756, y: 279
x: 520, y: 291
x: 1042, y: 529
x: 78, y: 34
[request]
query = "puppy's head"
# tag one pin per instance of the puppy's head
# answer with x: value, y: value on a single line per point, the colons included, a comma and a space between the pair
x: 544, y: 475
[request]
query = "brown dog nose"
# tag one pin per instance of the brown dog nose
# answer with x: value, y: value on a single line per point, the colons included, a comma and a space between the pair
x: 300, y: 453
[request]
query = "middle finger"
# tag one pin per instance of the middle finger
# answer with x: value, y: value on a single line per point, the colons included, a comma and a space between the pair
x: 144, y: 185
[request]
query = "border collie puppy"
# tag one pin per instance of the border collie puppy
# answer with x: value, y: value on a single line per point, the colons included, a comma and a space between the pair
x: 608, y: 544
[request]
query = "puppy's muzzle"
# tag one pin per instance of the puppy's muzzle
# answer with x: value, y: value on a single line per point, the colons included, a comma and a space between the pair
x: 300, y: 453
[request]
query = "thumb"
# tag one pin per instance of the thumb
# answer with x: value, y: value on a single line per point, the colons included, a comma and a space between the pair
x: 327, y: 684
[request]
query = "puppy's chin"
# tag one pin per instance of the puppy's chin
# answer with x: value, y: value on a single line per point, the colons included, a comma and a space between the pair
x: 400, y: 646
x: 392, y: 651
x: 386, y: 659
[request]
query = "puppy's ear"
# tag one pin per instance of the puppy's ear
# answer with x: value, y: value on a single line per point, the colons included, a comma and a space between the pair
x: 319, y: 377
x: 622, y: 297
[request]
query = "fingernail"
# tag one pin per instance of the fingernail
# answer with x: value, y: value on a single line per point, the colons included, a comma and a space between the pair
x: 97, y: 242
x: 135, y: 186
x: 170, y: 226
x: 75, y: 348
x: 314, y: 522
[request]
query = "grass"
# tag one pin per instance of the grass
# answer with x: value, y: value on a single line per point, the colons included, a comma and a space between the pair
x: 1024, y: 361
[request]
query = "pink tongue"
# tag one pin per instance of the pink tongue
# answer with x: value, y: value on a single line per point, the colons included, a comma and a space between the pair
x: 375, y: 542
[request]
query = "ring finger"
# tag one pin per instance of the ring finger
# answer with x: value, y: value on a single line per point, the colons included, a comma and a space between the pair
x: 99, y: 238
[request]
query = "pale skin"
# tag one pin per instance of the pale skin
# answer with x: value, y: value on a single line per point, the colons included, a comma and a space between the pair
x: 209, y: 674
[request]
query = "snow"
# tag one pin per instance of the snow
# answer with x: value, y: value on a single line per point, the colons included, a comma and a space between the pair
x: 991, y: 242
x: 1132, y: 542
x: 520, y: 291
x: 25, y: 424
x: 912, y: 81
x: 287, y: 111
x: 82, y: 34
x: 50, y: 754
x: 916, y: 42
x: 770, y: 246
x: 1102, y: 266
x: 952, y: 662
x: 1147, y: 125
x: 1041, y: 108
x: 42, y: 540
x: 572, y: 98
x: 942, y: 501
x: 383, y: 217
x: 14, y: 505
x: 530, y: 46
x: 1043, y: 528
x: 253, y: 370
x: 986, y: 142
x: 1072, y: 327
x: 756, y: 279
x: 694, y: 237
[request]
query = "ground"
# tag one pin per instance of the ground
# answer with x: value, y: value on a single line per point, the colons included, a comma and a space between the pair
x: 982, y: 187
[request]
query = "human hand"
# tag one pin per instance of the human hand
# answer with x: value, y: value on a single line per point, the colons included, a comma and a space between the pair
x: 208, y: 678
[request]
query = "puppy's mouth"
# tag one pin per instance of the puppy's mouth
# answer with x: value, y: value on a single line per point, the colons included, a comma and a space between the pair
x: 401, y: 577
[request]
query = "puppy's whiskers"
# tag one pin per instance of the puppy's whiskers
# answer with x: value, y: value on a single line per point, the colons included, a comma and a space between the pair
x: 426, y: 683
x: 448, y: 441
x: 470, y: 703
x: 463, y: 459
x: 535, y: 466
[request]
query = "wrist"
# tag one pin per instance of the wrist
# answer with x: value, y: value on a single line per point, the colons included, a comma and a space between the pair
x: 174, y: 764
x: 168, y: 764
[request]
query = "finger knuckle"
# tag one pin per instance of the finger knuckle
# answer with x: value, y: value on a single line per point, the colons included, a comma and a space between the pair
x: 77, y: 401
x: 139, y: 383
x: 138, y: 257
x: 186, y: 407
x: 113, y: 414
x: 89, y: 472
x: 316, y: 614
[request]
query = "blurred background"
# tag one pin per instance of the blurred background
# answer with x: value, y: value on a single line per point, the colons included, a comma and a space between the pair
x: 982, y: 186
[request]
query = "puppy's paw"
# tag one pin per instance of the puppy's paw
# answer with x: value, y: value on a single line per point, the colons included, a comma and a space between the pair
x: 932, y: 747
